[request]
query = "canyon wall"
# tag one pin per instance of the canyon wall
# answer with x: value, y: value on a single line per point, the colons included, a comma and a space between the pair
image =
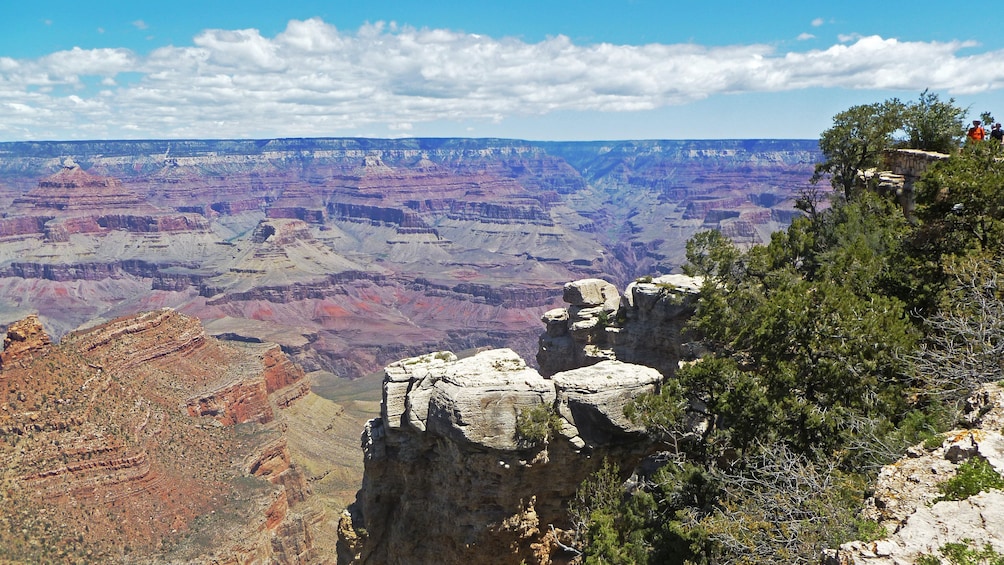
x: 144, y: 439
x: 351, y: 253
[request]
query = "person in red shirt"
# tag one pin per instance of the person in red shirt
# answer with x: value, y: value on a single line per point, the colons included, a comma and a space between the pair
x: 976, y: 133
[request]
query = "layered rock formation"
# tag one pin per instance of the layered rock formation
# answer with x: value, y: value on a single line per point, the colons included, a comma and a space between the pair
x: 103, y: 462
x: 645, y: 326
x: 907, y: 496
x: 449, y: 478
x: 350, y: 253
x: 22, y: 339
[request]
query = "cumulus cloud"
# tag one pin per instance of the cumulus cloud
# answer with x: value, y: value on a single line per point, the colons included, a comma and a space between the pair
x: 818, y: 22
x: 313, y: 79
x: 805, y: 36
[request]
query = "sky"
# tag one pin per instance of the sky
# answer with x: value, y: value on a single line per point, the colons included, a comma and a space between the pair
x: 525, y: 69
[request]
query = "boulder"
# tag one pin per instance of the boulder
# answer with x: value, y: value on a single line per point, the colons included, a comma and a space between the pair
x: 592, y: 292
x: 476, y: 400
x: 593, y: 398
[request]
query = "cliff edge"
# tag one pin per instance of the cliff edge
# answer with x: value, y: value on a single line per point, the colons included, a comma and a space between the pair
x: 450, y: 474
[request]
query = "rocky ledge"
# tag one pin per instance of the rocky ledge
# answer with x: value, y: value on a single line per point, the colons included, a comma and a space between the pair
x: 450, y: 477
x: 908, y: 499
x: 644, y: 326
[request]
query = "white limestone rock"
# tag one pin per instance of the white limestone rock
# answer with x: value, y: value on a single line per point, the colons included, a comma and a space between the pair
x: 593, y: 398
x: 592, y: 292
x: 906, y: 493
x: 401, y: 377
x: 475, y: 401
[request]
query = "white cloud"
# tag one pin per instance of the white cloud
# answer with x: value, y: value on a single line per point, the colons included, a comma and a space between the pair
x: 818, y: 22
x: 140, y: 24
x: 313, y: 79
x: 805, y: 36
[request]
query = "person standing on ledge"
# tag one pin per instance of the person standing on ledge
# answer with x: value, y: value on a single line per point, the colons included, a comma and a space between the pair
x: 996, y: 133
x: 976, y: 133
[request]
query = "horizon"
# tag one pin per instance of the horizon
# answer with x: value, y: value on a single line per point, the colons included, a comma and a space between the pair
x: 587, y: 70
x: 475, y: 138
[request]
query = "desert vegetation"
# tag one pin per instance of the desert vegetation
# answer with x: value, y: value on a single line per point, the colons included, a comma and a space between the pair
x: 853, y: 334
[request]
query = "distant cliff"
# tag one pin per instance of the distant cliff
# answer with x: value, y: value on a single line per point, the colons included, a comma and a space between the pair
x: 351, y: 253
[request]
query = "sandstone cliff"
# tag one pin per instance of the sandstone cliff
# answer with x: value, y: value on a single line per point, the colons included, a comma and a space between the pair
x: 448, y: 478
x: 102, y: 461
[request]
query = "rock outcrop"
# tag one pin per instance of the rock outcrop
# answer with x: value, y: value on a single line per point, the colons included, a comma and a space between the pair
x: 23, y: 338
x: 906, y: 500
x: 645, y: 326
x: 449, y: 479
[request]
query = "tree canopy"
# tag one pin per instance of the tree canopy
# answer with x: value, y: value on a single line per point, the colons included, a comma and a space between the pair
x: 859, y: 135
x: 846, y: 338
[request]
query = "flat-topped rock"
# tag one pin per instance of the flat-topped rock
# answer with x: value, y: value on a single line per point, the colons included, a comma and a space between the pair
x: 591, y: 292
x: 594, y: 398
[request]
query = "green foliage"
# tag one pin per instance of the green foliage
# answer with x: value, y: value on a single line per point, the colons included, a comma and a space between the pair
x: 806, y: 335
x: 856, y: 140
x: 934, y: 442
x: 859, y: 135
x: 869, y: 530
x: 972, y: 477
x: 711, y: 255
x: 813, y: 379
x: 964, y: 553
x: 961, y: 204
x: 536, y: 425
x: 933, y: 125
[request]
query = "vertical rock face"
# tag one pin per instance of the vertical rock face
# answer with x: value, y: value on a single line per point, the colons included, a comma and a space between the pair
x: 449, y: 479
x: 644, y: 326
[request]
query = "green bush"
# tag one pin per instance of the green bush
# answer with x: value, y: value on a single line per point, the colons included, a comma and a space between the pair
x: 964, y: 553
x: 536, y: 425
x: 972, y: 477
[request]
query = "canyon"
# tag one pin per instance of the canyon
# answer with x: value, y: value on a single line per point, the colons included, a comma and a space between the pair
x: 353, y: 253
x: 146, y: 439
x: 180, y: 315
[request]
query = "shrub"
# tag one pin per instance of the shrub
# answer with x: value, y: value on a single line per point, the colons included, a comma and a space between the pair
x: 964, y: 553
x: 972, y: 477
x: 536, y: 425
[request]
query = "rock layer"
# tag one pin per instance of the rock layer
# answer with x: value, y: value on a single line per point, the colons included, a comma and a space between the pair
x: 448, y: 478
x: 102, y: 461
x: 352, y: 253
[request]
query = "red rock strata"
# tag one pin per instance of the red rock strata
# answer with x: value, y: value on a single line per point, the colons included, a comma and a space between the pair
x: 22, y: 338
x: 101, y: 464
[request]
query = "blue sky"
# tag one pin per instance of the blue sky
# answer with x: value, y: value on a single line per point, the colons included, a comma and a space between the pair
x: 614, y: 69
